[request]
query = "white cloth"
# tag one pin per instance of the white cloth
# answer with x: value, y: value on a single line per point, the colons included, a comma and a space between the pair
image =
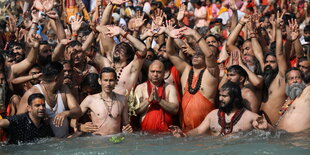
x: 62, y: 131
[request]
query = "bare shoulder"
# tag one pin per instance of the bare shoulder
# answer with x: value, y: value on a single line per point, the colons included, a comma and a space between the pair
x: 169, y: 86
x: 306, y: 92
x: 120, y: 97
x: 141, y: 86
x: 213, y: 113
x: 250, y: 115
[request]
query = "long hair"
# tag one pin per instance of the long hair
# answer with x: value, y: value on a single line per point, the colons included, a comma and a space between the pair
x: 234, y: 93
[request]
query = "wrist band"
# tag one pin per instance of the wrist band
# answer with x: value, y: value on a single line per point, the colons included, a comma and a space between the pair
x: 35, y: 23
x: 125, y: 35
x: 74, y: 35
x: 199, y: 40
x: 241, y: 24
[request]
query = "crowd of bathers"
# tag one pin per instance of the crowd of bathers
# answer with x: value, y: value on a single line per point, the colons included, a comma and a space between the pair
x: 190, y: 67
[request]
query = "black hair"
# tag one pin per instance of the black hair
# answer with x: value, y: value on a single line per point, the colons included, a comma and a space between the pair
x: 12, y: 44
x: 292, y: 69
x: 35, y: 96
x: 307, y: 77
x: 211, y: 35
x: 51, y: 71
x: 234, y: 92
x: 238, y: 70
x: 74, y: 43
x: 91, y: 81
x: 307, y: 28
x: 130, y: 52
x: 269, y: 54
x: 108, y: 70
x: 239, y: 42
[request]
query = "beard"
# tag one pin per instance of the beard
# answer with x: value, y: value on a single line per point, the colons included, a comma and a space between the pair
x: 269, y: 75
x: 19, y: 59
x: 226, y: 107
x: 167, y: 63
x: 294, y: 90
x: 116, y: 59
x: 44, y: 60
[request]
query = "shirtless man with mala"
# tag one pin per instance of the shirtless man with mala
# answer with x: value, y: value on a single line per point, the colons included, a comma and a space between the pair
x: 109, y: 110
x: 231, y: 117
x: 294, y: 114
x: 199, y: 82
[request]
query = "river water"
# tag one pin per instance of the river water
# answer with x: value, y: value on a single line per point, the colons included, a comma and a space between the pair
x: 253, y: 142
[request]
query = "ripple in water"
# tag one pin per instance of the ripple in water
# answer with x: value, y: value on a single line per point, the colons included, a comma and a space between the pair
x: 253, y: 142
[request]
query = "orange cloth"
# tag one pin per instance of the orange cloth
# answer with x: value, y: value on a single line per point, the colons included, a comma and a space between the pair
x: 195, y: 107
x: 156, y: 119
x: 176, y: 81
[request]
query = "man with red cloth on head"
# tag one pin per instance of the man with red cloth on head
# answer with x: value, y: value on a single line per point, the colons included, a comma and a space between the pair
x: 158, y: 100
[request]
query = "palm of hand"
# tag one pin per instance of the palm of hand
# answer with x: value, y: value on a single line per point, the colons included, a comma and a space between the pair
x: 48, y: 5
x: 138, y: 22
x: 118, y: 2
x: 174, y: 33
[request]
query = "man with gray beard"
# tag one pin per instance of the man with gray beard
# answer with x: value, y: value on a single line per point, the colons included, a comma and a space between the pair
x: 294, y: 114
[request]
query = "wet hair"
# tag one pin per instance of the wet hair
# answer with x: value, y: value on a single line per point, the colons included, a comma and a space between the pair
x: 211, y: 35
x: 293, y: 69
x: 74, y: 43
x: 234, y: 92
x: 107, y: 70
x: 238, y: 70
x: 91, y: 81
x: 130, y: 53
x: 51, y: 71
x: 35, y: 96
x: 269, y: 54
x: 12, y: 44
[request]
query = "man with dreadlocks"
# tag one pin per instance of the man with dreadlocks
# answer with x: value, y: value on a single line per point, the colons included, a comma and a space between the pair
x: 231, y: 108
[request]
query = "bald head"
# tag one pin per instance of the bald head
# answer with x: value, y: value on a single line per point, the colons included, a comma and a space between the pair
x: 156, y: 72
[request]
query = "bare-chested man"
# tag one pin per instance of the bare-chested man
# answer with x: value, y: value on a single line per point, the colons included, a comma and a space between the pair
x: 295, y: 115
x: 274, y: 79
x: 199, y: 82
x: 231, y: 117
x: 126, y: 60
x: 158, y: 100
x: 239, y: 76
x: 60, y: 103
x: 109, y: 110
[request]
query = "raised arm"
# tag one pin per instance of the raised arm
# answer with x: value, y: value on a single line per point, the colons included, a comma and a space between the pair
x: 282, y: 63
x: 210, y: 59
x: 234, y: 17
x: 30, y: 59
x: 234, y: 34
x: 257, y: 49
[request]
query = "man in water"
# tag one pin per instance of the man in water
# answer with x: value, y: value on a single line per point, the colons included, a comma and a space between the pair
x: 232, y: 110
x: 199, y: 82
x: 29, y: 126
x: 158, y: 100
x: 295, y: 116
x: 60, y: 103
x: 109, y: 110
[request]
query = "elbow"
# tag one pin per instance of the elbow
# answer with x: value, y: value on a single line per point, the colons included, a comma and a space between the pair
x: 76, y: 113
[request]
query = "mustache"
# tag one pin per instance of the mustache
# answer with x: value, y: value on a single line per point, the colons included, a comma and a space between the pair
x: 294, y: 90
x: 116, y: 59
x: 226, y: 107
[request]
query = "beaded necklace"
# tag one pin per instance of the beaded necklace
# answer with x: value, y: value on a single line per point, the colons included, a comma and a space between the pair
x: 227, y: 128
x: 285, y: 107
x: 118, y: 73
x: 190, y: 80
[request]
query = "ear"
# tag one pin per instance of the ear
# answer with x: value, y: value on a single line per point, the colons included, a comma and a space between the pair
x: 99, y: 81
x: 242, y: 79
x: 28, y: 108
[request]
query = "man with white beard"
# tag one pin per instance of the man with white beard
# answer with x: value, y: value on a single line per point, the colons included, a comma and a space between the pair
x: 295, y: 116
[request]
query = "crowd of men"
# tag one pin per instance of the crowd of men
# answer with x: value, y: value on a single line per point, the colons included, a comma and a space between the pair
x: 190, y: 67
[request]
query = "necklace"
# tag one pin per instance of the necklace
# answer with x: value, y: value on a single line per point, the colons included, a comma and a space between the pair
x: 51, y: 102
x: 190, y: 80
x: 227, y: 128
x: 167, y: 76
x: 109, y: 108
x: 285, y: 107
x: 119, y: 73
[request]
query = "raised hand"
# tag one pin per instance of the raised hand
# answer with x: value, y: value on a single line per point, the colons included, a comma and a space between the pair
x: 37, y: 4
x: 187, y: 48
x: 48, y: 5
x: 244, y: 19
x: 118, y: 2
x: 34, y: 40
x: 235, y: 57
x: 293, y: 32
x: 76, y: 24
x: 52, y: 14
x: 181, y: 12
x: 114, y: 31
x: 232, y: 5
x: 279, y: 20
x: 138, y: 20
x: 158, y: 17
